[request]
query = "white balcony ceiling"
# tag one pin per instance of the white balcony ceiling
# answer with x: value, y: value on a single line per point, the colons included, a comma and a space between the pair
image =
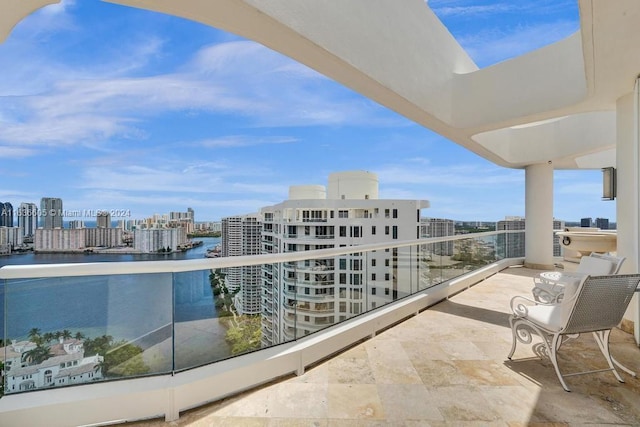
x: 553, y: 104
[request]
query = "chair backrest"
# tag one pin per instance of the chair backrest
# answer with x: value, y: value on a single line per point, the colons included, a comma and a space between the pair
x: 598, y: 303
x: 596, y: 265
x: 617, y: 261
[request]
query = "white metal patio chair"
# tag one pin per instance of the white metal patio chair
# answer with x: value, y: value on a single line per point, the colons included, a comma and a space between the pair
x: 549, y: 286
x: 594, y: 304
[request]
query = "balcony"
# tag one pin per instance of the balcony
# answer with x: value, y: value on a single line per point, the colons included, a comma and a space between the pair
x: 450, y: 357
x: 453, y: 373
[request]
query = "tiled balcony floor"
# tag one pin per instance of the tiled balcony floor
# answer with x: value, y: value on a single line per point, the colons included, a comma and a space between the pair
x: 446, y: 366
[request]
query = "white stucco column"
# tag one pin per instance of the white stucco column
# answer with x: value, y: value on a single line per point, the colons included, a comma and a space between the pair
x: 539, y: 216
x: 627, y: 200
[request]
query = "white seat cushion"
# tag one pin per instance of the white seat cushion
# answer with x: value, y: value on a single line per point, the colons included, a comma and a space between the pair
x: 595, y: 266
x: 547, y: 316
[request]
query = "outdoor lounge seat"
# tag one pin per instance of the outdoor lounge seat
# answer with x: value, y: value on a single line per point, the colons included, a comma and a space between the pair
x: 549, y: 286
x: 594, y: 304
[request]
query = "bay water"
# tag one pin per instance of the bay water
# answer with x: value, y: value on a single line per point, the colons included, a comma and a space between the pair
x: 126, y: 307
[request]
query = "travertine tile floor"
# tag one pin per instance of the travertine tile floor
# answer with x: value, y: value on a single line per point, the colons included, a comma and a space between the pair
x: 446, y: 366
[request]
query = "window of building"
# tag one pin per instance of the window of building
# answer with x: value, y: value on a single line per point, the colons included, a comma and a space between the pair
x: 373, y: 262
x: 343, y: 307
x: 395, y: 213
x: 394, y: 231
x: 386, y: 276
x: 386, y: 262
x: 373, y: 290
x: 373, y: 230
x: 343, y: 278
x: 343, y: 264
x: 343, y: 214
x: 386, y: 213
x: 343, y: 231
x: 386, y: 291
x: 386, y: 230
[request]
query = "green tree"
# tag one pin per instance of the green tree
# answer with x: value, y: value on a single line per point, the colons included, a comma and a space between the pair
x: 34, y: 336
x: 244, y: 335
x: 37, y: 355
x: 47, y: 337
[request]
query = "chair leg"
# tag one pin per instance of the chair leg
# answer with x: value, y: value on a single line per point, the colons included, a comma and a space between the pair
x: 514, y: 338
x: 553, y: 348
x: 602, y: 339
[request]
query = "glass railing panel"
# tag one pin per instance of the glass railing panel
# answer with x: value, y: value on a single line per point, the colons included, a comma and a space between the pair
x: 436, y: 257
x: 76, y: 330
x: 199, y: 305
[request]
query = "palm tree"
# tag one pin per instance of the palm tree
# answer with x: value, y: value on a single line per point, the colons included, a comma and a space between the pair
x: 37, y: 355
x: 79, y: 336
x: 47, y: 337
x: 66, y: 334
x: 34, y: 335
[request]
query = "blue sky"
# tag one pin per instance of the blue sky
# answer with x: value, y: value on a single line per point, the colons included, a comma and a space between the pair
x: 110, y: 107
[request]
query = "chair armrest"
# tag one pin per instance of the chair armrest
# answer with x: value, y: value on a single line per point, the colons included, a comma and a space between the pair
x: 519, y: 305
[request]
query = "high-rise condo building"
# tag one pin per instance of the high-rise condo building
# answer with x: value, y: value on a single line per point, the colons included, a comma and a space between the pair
x: 438, y: 227
x: 512, y: 245
x: 241, y: 236
x: 103, y: 220
x: 586, y: 222
x: 602, y: 223
x: 159, y: 239
x: 6, y: 214
x: 28, y: 219
x: 51, y: 212
x: 303, y: 297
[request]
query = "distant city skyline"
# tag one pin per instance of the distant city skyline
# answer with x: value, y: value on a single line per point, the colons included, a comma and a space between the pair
x: 108, y: 113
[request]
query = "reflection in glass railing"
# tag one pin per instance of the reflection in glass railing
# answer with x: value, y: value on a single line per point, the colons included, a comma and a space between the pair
x: 63, y: 331
x: 74, y: 330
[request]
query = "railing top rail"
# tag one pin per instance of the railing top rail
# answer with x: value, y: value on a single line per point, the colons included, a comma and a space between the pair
x: 146, y: 267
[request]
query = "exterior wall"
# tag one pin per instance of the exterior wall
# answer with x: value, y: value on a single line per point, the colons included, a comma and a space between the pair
x: 513, y: 245
x: 108, y: 237
x: 59, y: 239
x: 438, y: 227
x: 103, y: 220
x: 241, y: 236
x: 6, y: 214
x: 300, y: 298
x: 51, y: 212
x: 28, y: 219
x: 155, y: 239
x: 10, y: 237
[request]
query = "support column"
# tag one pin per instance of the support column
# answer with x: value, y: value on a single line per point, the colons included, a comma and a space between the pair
x: 539, y: 216
x: 627, y: 200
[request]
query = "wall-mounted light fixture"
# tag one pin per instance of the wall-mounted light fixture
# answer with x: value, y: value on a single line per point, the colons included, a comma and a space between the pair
x: 608, y: 183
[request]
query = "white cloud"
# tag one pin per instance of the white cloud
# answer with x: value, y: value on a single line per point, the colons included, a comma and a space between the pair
x: 16, y: 152
x: 244, y: 141
x: 239, y: 78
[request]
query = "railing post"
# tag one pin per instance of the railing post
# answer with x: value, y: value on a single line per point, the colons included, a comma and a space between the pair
x: 171, y: 412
